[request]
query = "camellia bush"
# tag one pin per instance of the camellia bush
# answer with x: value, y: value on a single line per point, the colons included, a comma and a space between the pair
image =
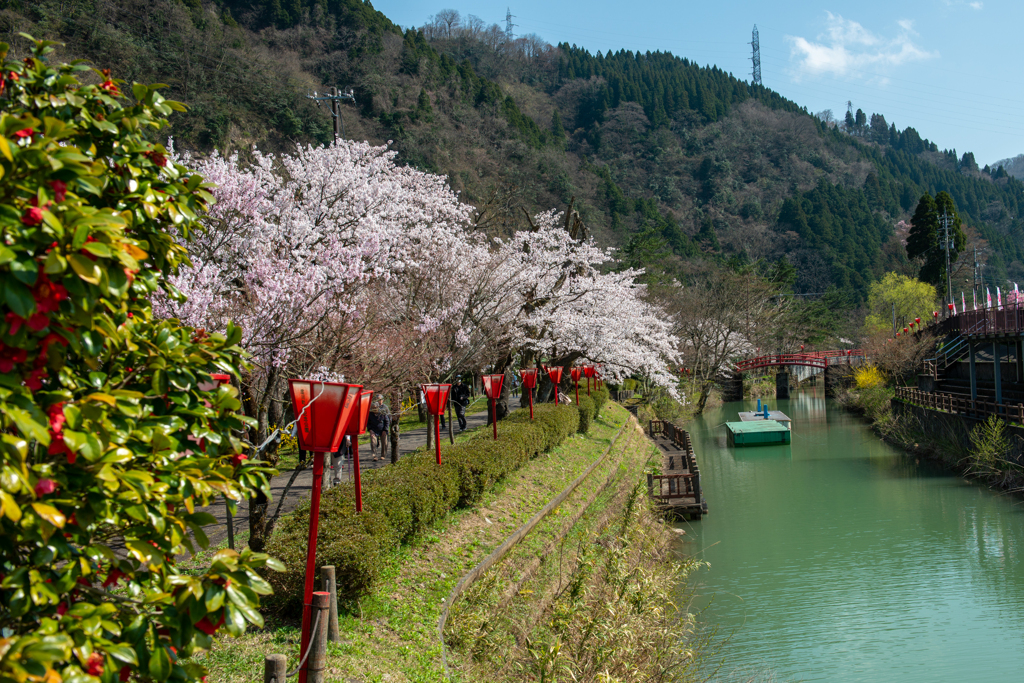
x: 111, y: 437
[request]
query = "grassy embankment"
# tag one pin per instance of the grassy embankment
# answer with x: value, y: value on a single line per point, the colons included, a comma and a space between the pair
x: 590, y: 589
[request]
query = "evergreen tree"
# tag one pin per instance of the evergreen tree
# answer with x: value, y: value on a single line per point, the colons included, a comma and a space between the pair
x: 557, y: 130
x: 424, y: 111
x: 922, y: 241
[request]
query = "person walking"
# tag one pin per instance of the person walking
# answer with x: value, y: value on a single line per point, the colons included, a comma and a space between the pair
x: 378, y: 423
x: 460, y: 400
x: 338, y: 459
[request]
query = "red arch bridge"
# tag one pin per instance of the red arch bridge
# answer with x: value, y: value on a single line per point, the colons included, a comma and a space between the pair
x: 811, y: 359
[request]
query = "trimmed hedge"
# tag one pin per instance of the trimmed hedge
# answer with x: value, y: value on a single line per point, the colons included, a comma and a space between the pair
x: 402, y: 500
x: 587, y: 414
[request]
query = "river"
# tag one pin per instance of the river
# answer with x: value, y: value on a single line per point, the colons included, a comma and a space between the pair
x: 838, y: 558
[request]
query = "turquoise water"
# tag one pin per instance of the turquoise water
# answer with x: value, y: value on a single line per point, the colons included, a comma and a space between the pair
x: 837, y: 558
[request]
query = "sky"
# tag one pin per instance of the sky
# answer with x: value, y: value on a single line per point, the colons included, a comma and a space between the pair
x: 949, y: 68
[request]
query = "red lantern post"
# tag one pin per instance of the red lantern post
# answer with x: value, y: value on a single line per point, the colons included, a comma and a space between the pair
x: 588, y: 370
x: 555, y: 375
x: 575, y: 374
x: 357, y: 427
x: 437, y: 398
x: 492, y: 387
x: 529, y: 376
x: 323, y: 411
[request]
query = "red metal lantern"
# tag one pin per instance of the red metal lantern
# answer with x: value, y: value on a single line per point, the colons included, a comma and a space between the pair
x: 917, y: 320
x: 950, y: 307
x: 529, y: 376
x: 555, y: 375
x: 588, y: 370
x: 357, y: 426
x: 575, y: 373
x: 492, y: 387
x: 936, y: 314
x: 323, y: 410
x: 437, y: 399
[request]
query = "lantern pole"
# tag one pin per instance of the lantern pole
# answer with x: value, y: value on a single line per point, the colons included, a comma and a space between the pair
x: 355, y: 473
x: 530, y: 389
x: 437, y: 437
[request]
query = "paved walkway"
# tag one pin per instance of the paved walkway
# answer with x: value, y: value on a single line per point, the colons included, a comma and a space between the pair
x: 303, y: 484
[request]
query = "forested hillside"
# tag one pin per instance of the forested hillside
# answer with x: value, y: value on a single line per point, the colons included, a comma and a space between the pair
x: 665, y: 158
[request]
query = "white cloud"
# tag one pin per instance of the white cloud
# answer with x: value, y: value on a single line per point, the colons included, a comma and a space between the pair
x: 975, y: 5
x: 846, y: 47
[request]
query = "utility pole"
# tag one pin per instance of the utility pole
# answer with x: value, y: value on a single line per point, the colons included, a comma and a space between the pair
x: 335, y: 99
x: 947, y: 244
x: 756, y: 58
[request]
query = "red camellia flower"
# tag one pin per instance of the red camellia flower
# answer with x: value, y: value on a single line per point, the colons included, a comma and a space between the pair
x: 38, y: 322
x: 52, y: 338
x: 113, y: 577
x: 11, y: 356
x: 62, y: 608
x: 24, y: 133
x: 11, y: 76
x: 238, y: 459
x: 94, y: 665
x: 34, y: 381
x: 33, y: 216
x: 208, y: 627
x: 48, y: 295
x: 45, y: 487
x: 60, y: 190
x: 15, y: 321
x: 124, y: 674
x: 110, y: 87
x: 156, y: 157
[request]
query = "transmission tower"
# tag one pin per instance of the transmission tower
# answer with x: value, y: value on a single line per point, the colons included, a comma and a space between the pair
x: 509, y: 25
x: 756, y: 57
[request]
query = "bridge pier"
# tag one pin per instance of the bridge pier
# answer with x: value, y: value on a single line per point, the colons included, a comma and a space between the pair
x: 732, y: 388
x: 782, y: 384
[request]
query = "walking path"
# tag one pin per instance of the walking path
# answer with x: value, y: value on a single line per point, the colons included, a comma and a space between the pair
x: 300, y: 490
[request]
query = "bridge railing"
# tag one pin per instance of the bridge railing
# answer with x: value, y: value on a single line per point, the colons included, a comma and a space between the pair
x: 951, y: 403
x: 814, y: 359
x: 1009, y: 319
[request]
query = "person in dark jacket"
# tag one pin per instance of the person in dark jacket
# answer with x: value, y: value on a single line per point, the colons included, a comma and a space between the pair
x: 377, y: 424
x: 460, y: 400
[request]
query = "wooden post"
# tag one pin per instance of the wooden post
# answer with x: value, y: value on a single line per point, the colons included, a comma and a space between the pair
x: 331, y: 586
x: 274, y: 668
x: 316, y: 665
x: 650, y: 484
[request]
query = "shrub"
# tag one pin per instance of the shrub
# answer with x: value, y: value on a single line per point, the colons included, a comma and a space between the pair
x: 600, y: 396
x: 102, y: 407
x: 402, y: 500
x: 586, y: 410
x: 869, y: 377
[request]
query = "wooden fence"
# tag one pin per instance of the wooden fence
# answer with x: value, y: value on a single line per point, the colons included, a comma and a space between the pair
x: 951, y: 403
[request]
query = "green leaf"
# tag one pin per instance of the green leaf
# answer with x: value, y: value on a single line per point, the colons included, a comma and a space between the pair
x: 50, y: 514
x: 160, y: 664
x: 122, y: 653
x: 6, y: 255
x: 19, y: 298
x: 85, y: 268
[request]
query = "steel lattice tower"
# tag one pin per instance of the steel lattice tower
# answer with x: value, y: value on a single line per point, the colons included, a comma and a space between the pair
x: 756, y: 58
x: 509, y: 36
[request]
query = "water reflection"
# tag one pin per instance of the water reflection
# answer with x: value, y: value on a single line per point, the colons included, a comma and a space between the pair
x: 837, y: 559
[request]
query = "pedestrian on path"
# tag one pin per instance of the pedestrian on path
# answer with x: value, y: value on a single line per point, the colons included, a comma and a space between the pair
x: 378, y: 424
x: 460, y: 400
x: 338, y: 459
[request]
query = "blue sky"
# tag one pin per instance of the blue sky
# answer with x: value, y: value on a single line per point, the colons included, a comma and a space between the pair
x: 950, y: 68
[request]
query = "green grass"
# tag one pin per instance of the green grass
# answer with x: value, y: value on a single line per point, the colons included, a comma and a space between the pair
x: 392, y: 635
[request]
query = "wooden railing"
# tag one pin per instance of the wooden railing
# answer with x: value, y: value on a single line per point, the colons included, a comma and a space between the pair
x: 951, y: 403
x: 665, y: 487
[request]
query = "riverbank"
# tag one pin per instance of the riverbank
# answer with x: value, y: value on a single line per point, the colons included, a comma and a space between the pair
x: 985, y: 451
x: 593, y: 585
